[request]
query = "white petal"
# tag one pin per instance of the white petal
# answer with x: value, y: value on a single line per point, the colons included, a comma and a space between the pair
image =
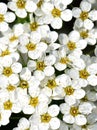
x: 34, y: 54
x: 25, y: 74
x: 65, y: 108
x: 12, y: 6
x: 54, y: 123
x: 39, y: 75
x: 6, y: 61
x: 80, y: 120
x: 68, y: 119
x: 16, y: 67
x: 28, y: 109
x: 35, y: 37
x: 72, y: 35
x: 59, y: 66
x: 49, y: 71
x: 50, y: 60
x: 3, y: 8
x: 42, y: 46
x: 3, y: 26
x: 70, y: 100
x: 56, y: 23
x: 13, y: 79
x: 88, y: 24
x: 79, y: 93
x: 93, y: 15
x: 53, y: 110
x: 16, y: 108
x: 30, y: 6
x: 81, y: 44
x: 66, y: 15
x: 47, y: 7
x: 18, y: 29
x: 9, y: 17
x: 85, y: 108
x: 76, y: 12
x: 92, y: 69
x: 21, y: 13
x: 85, y: 6
x: 92, y: 80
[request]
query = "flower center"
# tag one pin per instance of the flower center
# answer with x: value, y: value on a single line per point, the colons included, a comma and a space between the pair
x: 74, y: 111
x: 56, y: 12
x: 45, y: 118
x: 39, y: 4
x: 71, y: 45
x: 83, y: 74
x: 6, y: 52
x: 24, y: 84
x: 7, y: 105
x: 10, y: 88
x: 34, y: 101
x: 69, y: 90
x: 31, y: 46
x: 34, y: 26
x: 7, y: 71
x: 84, y: 15
x: 64, y: 60
x: 1, y: 18
x: 51, y: 83
x: 13, y: 38
x: 84, y: 34
x: 40, y: 66
x: 20, y: 4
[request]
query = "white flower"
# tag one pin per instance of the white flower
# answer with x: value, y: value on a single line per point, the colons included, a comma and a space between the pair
x: 72, y: 115
x: 21, y: 7
x: 85, y: 16
x: 56, y: 13
x: 5, y: 17
x: 47, y: 119
x: 43, y: 67
x: 10, y: 71
x: 32, y: 45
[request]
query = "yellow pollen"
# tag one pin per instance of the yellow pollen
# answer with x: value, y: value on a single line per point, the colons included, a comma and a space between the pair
x: 23, y: 84
x: 84, y: 34
x: 34, y: 101
x: 51, y: 83
x: 83, y: 74
x: 64, y: 60
x: 84, y: 15
x: 13, y: 38
x: 71, y: 45
x: 39, y: 4
x: 56, y: 12
x: 1, y: 18
x: 45, y: 118
x: 31, y: 46
x: 6, y: 52
x: 34, y: 26
x: 20, y: 4
x: 74, y: 111
x: 40, y: 65
x: 10, y: 88
x: 7, y: 71
x: 7, y: 105
x: 69, y: 90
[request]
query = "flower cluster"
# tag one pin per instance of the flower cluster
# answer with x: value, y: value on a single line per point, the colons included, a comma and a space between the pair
x: 50, y: 76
